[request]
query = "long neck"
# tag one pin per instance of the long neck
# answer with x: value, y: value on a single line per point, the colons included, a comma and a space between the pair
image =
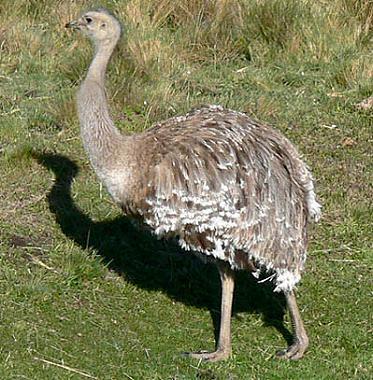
x: 97, y: 68
x: 100, y: 137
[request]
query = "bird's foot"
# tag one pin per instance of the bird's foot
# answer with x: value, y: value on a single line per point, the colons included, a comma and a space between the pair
x: 293, y: 352
x: 219, y: 354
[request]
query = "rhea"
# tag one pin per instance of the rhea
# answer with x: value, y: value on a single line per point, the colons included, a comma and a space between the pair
x: 229, y: 189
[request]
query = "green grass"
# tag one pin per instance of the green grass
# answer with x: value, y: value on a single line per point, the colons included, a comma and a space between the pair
x: 82, y: 291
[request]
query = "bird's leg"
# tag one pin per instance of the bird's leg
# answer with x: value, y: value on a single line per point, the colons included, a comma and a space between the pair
x: 223, y: 349
x: 296, y: 350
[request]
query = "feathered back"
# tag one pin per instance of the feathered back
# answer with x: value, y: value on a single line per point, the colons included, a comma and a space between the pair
x: 225, y: 185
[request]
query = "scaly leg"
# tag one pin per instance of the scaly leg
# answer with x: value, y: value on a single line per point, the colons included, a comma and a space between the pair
x: 297, y: 349
x: 223, y: 349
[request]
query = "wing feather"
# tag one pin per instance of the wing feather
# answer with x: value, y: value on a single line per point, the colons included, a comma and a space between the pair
x: 227, y: 185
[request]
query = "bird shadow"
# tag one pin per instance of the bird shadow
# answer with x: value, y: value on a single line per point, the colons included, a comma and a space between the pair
x: 153, y: 264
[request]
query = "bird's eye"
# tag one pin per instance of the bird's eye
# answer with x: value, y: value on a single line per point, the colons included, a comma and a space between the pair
x: 88, y: 20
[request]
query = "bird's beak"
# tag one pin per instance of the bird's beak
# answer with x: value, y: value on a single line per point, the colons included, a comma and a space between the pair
x: 75, y: 25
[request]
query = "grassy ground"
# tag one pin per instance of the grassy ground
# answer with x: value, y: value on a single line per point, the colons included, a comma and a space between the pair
x: 82, y: 292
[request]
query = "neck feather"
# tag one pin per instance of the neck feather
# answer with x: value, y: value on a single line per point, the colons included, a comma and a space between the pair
x: 101, y: 139
x: 97, y: 68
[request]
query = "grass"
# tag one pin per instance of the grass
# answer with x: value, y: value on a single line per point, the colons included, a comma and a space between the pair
x: 84, y: 293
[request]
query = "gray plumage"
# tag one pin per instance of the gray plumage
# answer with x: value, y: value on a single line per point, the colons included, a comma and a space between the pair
x: 230, y: 189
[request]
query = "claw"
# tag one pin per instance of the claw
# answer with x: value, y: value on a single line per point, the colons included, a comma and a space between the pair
x: 293, y: 352
x: 208, y: 356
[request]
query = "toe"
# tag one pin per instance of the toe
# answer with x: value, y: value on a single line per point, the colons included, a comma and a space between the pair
x: 293, y: 352
x: 209, y: 356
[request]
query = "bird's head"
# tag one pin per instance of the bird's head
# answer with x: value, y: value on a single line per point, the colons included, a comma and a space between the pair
x: 99, y: 25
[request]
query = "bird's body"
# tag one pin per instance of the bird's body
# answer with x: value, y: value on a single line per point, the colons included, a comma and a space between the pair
x: 228, y: 188
x: 225, y: 186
